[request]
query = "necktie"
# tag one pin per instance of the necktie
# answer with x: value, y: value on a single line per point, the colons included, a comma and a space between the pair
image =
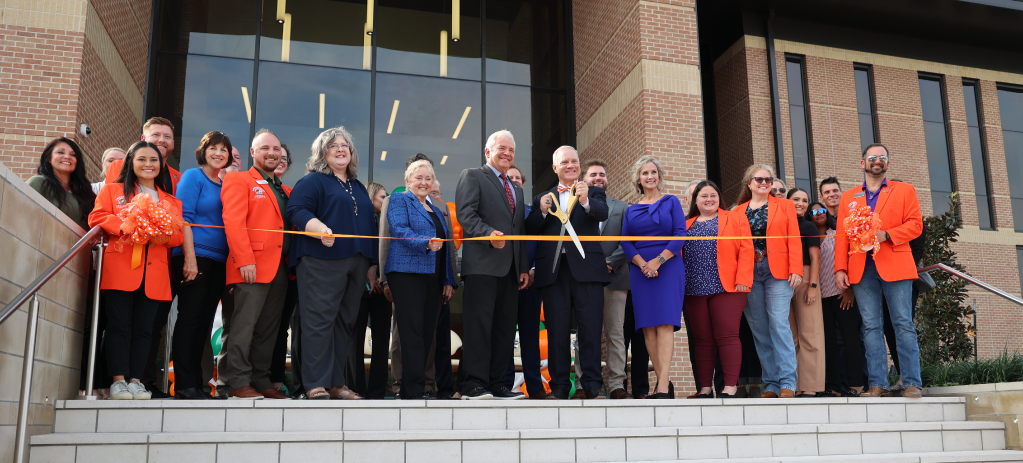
x: 508, y: 192
x: 563, y: 188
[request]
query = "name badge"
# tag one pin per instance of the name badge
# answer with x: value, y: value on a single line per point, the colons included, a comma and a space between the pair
x: 261, y: 182
x: 857, y: 195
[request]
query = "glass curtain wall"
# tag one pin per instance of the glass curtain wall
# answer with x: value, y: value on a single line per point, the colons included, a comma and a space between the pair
x: 978, y: 156
x: 799, y: 121
x: 404, y: 77
x: 939, y: 164
x: 1010, y: 104
x: 865, y: 110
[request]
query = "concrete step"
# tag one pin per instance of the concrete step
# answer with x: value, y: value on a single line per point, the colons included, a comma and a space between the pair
x: 409, y: 415
x: 930, y: 457
x: 526, y: 445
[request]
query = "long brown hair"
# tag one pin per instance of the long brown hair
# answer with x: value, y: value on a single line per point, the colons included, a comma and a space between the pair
x: 745, y: 194
x: 694, y: 211
x: 79, y: 184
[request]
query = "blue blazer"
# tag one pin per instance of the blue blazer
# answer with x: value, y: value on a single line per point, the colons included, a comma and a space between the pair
x: 407, y: 219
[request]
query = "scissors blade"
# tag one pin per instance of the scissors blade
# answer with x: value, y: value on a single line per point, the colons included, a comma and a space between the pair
x: 557, y: 251
x: 575, y: 238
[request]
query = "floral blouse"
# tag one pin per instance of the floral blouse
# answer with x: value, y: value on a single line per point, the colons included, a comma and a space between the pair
x: 758, y: 225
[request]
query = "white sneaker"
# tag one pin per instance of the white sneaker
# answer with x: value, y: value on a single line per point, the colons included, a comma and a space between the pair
x: 119, y: 391
x: 138, y: 391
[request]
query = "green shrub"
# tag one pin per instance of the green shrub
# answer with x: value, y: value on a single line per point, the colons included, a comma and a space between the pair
x: 1006, y: 368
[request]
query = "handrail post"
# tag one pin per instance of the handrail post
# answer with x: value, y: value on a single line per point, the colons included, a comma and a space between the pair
x: 20, y: 450
x: 94, y: 332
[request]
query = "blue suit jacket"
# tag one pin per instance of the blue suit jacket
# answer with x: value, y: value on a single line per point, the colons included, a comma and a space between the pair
x: 407, y: 219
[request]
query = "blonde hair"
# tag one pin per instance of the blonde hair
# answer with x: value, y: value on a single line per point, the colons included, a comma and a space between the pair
x: 372, y: 188
x: 637, y: 169
x: 745, y: 194
x: 415, y: 166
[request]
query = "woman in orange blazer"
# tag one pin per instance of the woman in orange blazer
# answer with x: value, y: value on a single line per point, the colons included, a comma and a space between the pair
x: 778, y: 269
x: 133, y: 294
x: 719, y: 275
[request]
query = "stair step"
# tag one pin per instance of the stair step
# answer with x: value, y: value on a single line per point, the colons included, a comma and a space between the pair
x: 929, y: 457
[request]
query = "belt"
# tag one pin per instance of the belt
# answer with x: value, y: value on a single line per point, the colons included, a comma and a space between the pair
x: 759, y: 255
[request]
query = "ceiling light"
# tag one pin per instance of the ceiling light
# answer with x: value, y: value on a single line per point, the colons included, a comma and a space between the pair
x: 394, y: 113
x: 286, y: 39
x: 248, y: 107
x: 461, y: 122
x: 280, y: 10
x: 383, y: 156
x: 443, y: 53
x: 323, y: 100
x: 456, y: 26
x: 367, y: 50
x: 443, y: 160
x: 369, y: 17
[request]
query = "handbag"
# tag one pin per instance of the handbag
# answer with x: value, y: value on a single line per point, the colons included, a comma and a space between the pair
x: 924, y: 283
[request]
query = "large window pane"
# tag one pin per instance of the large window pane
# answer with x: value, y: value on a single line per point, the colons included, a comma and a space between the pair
x: 978, y: 157
x: 526, y: 42
x: 420, y: 38
x: 297, y: 102
x: 200, y: 94
x: 324, y: 32
x: 537, y: 120
x: 1010, y: 104
x: 437, y: 117
x: 936, y: 139
x: 799, y: 121
x: 209, y: 27
x: 865, y: 105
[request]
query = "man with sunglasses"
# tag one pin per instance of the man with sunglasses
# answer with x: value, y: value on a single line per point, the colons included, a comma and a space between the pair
x: 889, y: 274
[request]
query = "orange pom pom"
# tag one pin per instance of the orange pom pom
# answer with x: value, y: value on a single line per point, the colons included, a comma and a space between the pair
x: 862, y: 225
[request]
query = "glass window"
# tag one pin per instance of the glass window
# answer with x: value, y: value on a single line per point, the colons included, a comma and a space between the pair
x: 324, y: 32
x: 799, y: 121
x: 438, y: 38
x: 526, y: 42
x: 978, y: 156
x: 865, y: 105
x: 209, y: 27
x: 440, y: 118
x: 936, y: 137
x: 297, y: 102
x: 216, y: 95
x: 1010, y: 104
x: 538, y: 121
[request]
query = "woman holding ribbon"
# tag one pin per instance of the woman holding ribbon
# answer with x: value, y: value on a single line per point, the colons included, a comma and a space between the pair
x: 657, y: 277
x: 332, y: 274
x: 135, y: 270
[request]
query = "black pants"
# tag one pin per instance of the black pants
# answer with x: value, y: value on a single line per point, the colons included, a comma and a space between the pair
x: 750, y: 372
x: 490, y: 307
x: 443, y: 378
x: 153, y: 367
x: 375, y: 313
x: 585, y: 300
x: 280, y: 356
x: 100, y: 375
x: 197, y: 306
x: 129, y: 329
x: 848, y: 322
x: 529, y: 343
x: 415, y: 308
x: 639, y: 366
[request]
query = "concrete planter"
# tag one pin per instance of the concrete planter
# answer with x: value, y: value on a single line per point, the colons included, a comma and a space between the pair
x: 991, y: 402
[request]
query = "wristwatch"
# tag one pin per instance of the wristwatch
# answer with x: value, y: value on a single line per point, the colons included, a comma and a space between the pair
x: 661, y: 258
x: 813, y: 285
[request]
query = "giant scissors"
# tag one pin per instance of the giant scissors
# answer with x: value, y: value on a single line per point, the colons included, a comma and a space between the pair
x: 562, y: 215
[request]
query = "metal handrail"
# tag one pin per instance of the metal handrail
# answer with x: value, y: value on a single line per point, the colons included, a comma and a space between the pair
x: 21, y: 438
x: 971, y: 279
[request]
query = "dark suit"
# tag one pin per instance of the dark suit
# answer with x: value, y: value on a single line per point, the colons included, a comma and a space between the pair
x: 529, y: 334
x: 575, y: 286
x: 490, y: 297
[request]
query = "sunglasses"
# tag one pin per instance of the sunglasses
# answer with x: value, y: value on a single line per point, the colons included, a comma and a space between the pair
x: 763, y: 179
x: 817, y: 212
x: 777, y: 190
x: 873, y: 159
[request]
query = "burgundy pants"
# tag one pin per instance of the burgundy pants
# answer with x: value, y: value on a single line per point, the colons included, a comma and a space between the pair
x: 715, y: 327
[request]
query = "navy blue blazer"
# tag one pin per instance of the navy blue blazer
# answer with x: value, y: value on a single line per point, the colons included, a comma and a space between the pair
x: 407, y: 219
x: 591, y: 269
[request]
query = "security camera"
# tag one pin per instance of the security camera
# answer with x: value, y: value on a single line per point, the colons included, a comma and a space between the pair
x: 85, y: 130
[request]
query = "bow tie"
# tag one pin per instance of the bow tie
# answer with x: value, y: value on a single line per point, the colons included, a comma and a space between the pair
x: 563, y: 188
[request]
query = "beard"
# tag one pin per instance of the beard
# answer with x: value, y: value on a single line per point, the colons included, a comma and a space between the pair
x: 870, y: 170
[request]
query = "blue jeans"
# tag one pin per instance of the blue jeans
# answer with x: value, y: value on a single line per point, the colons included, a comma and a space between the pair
x: 767, y: 311
x: 899, y: 295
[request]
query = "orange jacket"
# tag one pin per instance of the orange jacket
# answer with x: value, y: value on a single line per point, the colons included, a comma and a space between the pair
x: 735, y: 257
x: 785, y: 255
x: 117, y: 271
x: 115, y: 169
x: 249, y: 203
x: 899, y: 209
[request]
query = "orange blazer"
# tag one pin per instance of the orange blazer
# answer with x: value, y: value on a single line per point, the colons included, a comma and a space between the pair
x: 117, y: 271
x: 115, y: 169
x: 899, y: 209
x: 785, y: 255
x: 250, y: 204
x: 735, y: 257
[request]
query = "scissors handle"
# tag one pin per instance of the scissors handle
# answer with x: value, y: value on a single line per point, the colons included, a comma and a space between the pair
x: 556, y: 210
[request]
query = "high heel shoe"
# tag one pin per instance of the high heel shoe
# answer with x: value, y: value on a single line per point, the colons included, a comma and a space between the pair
x: 671, y: 390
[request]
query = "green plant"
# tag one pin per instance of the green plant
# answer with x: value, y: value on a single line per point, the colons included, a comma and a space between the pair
x: 1005, y: 368
x: 943, y: 321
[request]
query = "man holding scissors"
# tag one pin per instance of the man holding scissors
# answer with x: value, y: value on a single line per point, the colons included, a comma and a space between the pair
x: 571, y: 274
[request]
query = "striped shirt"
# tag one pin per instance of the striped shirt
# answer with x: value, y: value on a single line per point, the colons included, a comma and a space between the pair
x: 827, y: 268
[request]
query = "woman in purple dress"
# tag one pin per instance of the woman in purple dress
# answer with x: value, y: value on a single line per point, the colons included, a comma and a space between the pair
x: 658, y: 279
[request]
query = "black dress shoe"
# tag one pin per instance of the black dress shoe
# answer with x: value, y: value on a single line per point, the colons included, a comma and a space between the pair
x: 156, y: 392
x: 722, y: 395
x: 192, y: 393
x: 477, y: 393
x: 709, y: 395
x: 558, y: 393
x: 502, y: 393
x: 595, y: 393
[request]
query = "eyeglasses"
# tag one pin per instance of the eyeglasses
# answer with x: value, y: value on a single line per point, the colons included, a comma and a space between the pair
x: 763, y: 179
x: 777, y: 190
x: 336, y: 147
x: 873, y: 159
x: 816, y: 212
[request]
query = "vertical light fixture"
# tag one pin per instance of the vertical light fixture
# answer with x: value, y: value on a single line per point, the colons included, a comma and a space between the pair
x: 456, y: 21
x: 367, y: 43
x: 394, y: 113
x: 461, y: 122
x: 286, y: 39
x: 443, y: 53
x: 369, y: 17
x: 248, y: 107
x: 443, y: 160
x: 383, y: 156
x: 281, y: 5
x: 323, y: 101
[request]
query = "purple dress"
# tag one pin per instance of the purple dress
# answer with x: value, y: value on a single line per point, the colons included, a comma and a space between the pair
x: 656, y: 301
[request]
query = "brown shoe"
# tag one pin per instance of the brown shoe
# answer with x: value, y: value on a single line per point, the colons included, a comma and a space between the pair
x: 244, y: 393
x: 579, y: 393
x: 913, y: 392
x: 274, y: 394
x: 769, y: 395
x: 874, y: 391
x: 787, y: 394
x: 619, y: 393
x: 640, y: 397
x: 343, y: 393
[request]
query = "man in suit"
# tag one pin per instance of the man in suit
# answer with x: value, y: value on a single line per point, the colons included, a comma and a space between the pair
x: 889, y: 274
x: 255, y: 201
x: 489, y: 204
x: 570, y: 282
x: 615, y: 294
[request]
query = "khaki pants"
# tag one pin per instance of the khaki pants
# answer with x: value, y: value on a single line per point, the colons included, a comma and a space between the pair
x: 807, y: 322
x: 255, y: 321
x: 614, y: 336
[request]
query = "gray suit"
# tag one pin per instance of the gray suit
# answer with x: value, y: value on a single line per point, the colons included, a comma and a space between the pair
x: 490, y: 296
x: 615, y: 295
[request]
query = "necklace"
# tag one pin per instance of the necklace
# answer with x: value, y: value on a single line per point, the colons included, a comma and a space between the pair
x: 351, y: 192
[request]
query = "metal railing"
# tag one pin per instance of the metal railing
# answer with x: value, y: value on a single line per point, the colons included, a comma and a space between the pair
x: 31, y: 292
x: 971, y: 279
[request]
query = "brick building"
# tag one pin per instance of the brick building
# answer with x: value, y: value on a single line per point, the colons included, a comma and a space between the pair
x: 687, y: 81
